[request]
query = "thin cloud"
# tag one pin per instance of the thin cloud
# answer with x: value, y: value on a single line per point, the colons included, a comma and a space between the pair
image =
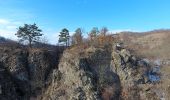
x: 11, y: 27
x: 8, y: 28
x: 122, y: 30
x: 53, y: 37
x: 4, y: 21
x: 7, y: 34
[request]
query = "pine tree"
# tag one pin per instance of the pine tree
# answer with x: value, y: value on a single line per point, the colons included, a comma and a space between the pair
x: 64, y: 36
x: 29, y: 32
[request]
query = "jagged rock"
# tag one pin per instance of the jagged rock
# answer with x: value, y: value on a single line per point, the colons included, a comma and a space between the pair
x: 90, y: 74
x: 28, y: 70
x: 133, y: 73
x: 8, y: 90
x: 15, y: 62
x: 39, y: 65
x: 77, y: 82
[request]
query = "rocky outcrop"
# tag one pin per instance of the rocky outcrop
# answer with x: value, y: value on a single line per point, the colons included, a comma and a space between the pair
x: 74, y: 80
x: 7, y: 87
x: 132, y: 73
x: 100, y: 74
x: 27, y: 70
x: 40, y: 64
x: 87, y: 74
x: 15, y: 63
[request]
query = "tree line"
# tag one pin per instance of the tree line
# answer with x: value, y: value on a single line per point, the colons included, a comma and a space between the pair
x: 32, y: 34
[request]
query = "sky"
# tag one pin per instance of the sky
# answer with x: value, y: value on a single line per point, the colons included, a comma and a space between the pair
x: 53, y: 15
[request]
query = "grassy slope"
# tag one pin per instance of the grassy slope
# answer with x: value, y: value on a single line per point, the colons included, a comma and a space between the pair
x: 153, y: 45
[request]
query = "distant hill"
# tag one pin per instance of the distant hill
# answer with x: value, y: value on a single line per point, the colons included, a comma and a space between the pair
x: 5, y: 40
x: 2, y: 39
x: 152, y: 44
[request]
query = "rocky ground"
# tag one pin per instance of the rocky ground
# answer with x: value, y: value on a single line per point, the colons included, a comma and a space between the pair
x: 24, y: 73
x: 91, y: 73
x: 154, y: 47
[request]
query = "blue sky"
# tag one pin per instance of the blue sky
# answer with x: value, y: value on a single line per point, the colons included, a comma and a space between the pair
x: 53, y: 15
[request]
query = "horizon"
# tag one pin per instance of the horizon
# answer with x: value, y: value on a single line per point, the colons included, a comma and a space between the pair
x: 52, y: 16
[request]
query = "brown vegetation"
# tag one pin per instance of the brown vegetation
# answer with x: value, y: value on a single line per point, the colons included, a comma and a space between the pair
x: 153, y: 44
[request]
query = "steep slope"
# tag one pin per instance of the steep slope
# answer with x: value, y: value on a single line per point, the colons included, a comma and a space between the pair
x: 7, y: 86
x: 92, y: 73
x: 154, y: 47
x: 27, y: 70
x: 153, y: 44
x: 100, y: 74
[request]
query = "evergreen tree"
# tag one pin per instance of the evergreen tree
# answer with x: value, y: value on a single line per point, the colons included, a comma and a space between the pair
x: 29, y: 32
x: 64, y: 36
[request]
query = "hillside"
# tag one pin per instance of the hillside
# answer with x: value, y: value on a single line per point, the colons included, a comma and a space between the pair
x: 155, y: 47
x: 91, y: 73
x: 87, y: 71
x: 153, y: 44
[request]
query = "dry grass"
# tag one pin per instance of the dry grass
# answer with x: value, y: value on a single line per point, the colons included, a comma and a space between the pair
x: 153, y: 45
x: 150, y: 45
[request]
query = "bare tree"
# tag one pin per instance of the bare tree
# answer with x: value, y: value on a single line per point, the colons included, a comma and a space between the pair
x: 77, y: 37
x: 103, y: 31
x: 93, y: 33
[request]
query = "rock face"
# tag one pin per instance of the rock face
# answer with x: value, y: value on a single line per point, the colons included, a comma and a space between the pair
x: 132, y: 73
x: 74, y: 80
x: 100, y: 74
x: 27, y: 71
x: 7, y: 87
x: 40, y: 63
x: 88, y: 74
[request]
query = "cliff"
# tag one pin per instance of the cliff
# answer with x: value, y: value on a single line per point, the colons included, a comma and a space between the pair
x: 25, y: 72
x: 91, y: 73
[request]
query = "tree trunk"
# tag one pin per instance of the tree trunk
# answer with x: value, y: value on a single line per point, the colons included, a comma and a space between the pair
x: 66, y: 44
x: 30, y: 42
